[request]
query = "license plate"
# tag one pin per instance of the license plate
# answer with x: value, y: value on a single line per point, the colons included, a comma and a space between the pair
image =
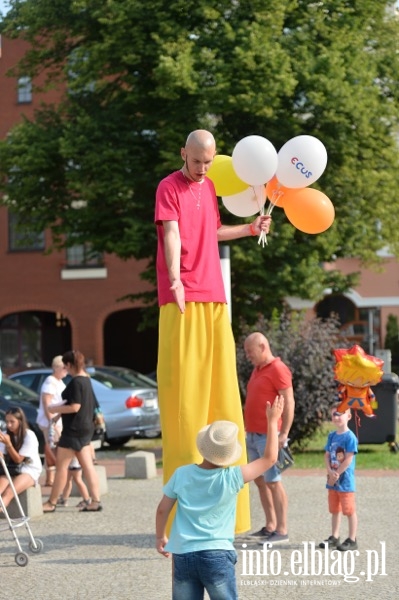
x: 150, y: 403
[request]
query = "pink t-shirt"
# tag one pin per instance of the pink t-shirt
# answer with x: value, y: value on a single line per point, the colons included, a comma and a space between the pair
x: 263, y: 386
x: 200, y: 270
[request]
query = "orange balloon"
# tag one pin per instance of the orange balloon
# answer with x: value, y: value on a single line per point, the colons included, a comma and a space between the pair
x: 278, y: 193
x: 310, y: 210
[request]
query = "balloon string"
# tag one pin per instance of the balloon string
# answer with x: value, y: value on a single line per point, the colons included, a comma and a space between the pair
x: 259, y: 191
x: 276, y: 195
x: 357, y: 423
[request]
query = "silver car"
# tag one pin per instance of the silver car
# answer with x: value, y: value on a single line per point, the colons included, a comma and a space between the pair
x: 131, y: 376
x: 129, y: 411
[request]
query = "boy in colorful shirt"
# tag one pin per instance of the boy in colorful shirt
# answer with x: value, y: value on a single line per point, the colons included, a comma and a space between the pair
x: 340, y: 461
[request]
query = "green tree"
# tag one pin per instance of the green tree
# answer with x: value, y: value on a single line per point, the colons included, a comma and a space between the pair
x: 140, y: 75
x: 307, y: 348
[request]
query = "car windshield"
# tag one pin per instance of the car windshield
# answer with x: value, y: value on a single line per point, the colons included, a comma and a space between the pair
x: 11, y: 390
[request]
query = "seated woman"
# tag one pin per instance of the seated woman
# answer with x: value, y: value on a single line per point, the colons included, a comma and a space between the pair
x: 22, y: 446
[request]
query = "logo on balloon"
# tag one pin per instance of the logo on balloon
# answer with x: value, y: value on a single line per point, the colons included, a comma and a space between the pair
x: 301, y: 167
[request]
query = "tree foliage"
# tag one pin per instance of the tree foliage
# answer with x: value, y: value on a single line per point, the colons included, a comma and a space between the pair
x: 138, y: 76
x: 306, y: 347
x: 392, y: 340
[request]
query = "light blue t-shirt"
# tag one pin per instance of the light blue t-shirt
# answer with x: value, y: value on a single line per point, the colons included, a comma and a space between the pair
x: 338, y: 444
x: 206, y: 508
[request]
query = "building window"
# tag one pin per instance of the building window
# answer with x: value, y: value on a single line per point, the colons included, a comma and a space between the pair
x: 81, y: 256
x: 21, y: 340
x: 24, y: 90
x: 359, y: 325
x: 21, y: 237
x: 77, y: 69
x: 31, y: 339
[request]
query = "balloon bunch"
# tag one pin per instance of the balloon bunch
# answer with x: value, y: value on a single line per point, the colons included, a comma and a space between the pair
x: 256, y: 171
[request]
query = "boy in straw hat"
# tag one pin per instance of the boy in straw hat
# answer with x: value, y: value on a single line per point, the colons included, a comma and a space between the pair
x: 202, y: 534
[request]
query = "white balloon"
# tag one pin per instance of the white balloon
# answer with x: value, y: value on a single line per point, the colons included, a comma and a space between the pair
x: 255, y: 160
x: 246, y: 203
x: 301, y: 161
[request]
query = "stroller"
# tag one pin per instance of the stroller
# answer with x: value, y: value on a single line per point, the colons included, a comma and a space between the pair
x: 35, y: 546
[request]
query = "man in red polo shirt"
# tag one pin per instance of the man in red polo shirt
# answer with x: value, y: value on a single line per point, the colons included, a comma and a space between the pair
x: 270, y: 378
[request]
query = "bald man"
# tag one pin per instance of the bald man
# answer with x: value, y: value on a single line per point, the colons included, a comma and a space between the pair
x: 197, y: 380
x: 270, y: 378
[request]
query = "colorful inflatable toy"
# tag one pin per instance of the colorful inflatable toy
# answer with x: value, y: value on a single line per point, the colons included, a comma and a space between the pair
x: 356, y: 371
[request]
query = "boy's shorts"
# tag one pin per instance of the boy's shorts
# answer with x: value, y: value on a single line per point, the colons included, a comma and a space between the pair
x: 341, y: 502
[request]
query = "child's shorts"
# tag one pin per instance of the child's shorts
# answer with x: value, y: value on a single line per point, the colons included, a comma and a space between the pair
x: 341, y: 502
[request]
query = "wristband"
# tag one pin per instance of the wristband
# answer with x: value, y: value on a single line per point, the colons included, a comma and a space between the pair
x: 252, y: 230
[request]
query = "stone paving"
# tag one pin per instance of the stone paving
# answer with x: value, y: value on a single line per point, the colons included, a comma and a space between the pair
x: 110, y: 555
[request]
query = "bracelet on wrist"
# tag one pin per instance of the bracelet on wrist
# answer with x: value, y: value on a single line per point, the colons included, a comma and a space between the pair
x: 252, y: 230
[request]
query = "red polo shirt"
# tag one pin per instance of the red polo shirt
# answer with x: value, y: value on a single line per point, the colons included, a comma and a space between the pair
x: 263, y: 386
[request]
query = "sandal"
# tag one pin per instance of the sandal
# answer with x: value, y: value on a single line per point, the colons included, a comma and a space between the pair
x: 84, y: 503
x: 49, y: 507
x: 94, y: 506
x: 62, y: 502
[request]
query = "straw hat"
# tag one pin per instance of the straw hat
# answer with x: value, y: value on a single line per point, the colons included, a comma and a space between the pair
x: 218, y: 444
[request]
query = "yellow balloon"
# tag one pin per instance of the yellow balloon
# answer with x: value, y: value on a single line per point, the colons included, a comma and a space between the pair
x: 224, y: 178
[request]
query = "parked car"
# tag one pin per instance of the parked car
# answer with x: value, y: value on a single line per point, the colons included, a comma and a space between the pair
x: 12, y: 394
x: 129, y: 375
x: 3, y: 426
x: 152, y: 375
x: 129, y: 411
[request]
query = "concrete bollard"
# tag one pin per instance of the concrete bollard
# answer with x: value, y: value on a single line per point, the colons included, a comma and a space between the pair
x: 31, y: 502
x: 140, y: 465
x: 102, y: 480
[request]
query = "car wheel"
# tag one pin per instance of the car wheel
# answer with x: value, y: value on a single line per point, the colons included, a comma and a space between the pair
x: 117, y: 441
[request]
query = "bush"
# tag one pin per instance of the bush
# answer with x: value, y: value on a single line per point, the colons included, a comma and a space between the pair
x: 306, y: 347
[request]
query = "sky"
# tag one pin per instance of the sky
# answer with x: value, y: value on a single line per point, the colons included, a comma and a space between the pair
x: 2, y: 6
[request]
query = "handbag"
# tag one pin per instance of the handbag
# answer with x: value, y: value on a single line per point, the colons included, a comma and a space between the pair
x: 13, y: 468
x: 284, y: 458
x: 98, y: 421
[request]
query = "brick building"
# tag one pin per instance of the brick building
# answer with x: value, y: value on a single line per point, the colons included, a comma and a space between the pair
x: 363, y: 311
x: 52, y: 303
